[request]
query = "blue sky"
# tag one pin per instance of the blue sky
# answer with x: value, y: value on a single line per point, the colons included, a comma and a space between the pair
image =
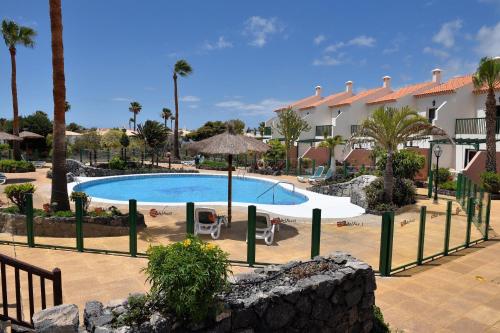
x: 248, y: 56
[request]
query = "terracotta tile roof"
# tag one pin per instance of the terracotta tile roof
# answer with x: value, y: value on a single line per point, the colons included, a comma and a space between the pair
x: 301, y: 103
x: 357, y: 97
x: 408, y: 90
x: 484, y: 90
x: 448, y: 87
x: 334, y: 98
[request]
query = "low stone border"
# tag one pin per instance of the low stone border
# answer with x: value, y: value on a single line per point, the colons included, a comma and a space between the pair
x: 65, y: 227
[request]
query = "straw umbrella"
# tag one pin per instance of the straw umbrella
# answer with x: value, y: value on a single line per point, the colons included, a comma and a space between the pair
x: 26, y: 135
x: 229, y: 144
x: 9, y: 137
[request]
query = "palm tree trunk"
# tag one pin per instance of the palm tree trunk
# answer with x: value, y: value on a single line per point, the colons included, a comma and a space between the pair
x: 59, y: 196
x: 491, y: 164
x: 389, y: 178
x: 135, y: 120
x: 15, y: 123
x: 176, y: 131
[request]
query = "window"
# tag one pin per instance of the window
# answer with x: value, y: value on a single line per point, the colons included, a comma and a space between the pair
x: 431, y: 114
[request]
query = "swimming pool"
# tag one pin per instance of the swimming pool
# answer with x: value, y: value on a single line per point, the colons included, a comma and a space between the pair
x: 181, y: 188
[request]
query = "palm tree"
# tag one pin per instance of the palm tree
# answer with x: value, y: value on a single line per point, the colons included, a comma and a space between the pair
x: 135, y: 108
x: 67, y: 106
x: 183, y: 69
x: 130, y: 121
x: 488, y: 75
x: 262, y: 128
x: 331, y: 143
x: 389, y: 128
x: 59, y: 195
x: 13, y: 34
x: 166, y: 113
x: 154, y: 136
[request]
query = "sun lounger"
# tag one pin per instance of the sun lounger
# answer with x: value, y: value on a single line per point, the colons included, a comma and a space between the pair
x: 322, y: 179
x: 206, y: 222
x: 3, y: 178
x: 38, y: 164
x: 265, y: 228
x: 317, y: 173
x: 188, y: 163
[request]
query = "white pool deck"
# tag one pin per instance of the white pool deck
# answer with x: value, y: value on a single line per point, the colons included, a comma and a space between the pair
x: 331, y: 207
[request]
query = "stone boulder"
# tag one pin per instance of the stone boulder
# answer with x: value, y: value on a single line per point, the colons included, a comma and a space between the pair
x: 58, y: 319
x: 353, y: 188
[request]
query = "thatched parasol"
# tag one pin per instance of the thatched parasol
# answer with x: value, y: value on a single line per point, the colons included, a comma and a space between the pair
x: 30, y: 135
x: 9, y: 137
x: 229, y: 144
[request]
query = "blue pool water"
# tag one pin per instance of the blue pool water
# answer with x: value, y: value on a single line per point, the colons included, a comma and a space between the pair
x: 185, y: 188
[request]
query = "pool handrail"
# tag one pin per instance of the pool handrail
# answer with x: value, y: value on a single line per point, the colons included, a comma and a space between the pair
x: 274, y: 186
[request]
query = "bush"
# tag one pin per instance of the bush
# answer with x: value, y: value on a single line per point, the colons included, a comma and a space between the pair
x: 63, y: 213
x: 16, y: 193
x: 490, y: 181
x: 306, y: 163
x: 406, y: 163
x: 443, y: 175
x: 85, y: 199
x: 450, y: 185
x: 117, y: 163
x: 379, y: 324
x: 16, y: 166
x: 404, y: 193
x: 138, y: 311
x: 186, y: 276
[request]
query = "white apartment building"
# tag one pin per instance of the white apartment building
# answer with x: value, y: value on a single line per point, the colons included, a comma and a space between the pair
x: 454, y: 105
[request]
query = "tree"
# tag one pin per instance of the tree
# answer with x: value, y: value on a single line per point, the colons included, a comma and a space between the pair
x: 14, y: 35
x: 236, y: 125
x: 488, y: 75
x: 209, y: 129
x: 183, y: 69
x: 67, y: 106
x: 59, y: 196
x: 111, y: 139
x: 37, y: 122
x: 388, y: 128
x: 331, y: 143
x: 135, y: 108
x: 276, y: 150
x: 262, y: 128
x: 166, y: 113
x: 89, y: 140
x: 74, y: 127
x: 155, y: 136
x: 290, y: 125
x: 406, y: 163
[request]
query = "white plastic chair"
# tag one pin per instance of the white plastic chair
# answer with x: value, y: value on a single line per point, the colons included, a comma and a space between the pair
x: 264, y: 228
x: 206, y: 222
x: 3, y: 178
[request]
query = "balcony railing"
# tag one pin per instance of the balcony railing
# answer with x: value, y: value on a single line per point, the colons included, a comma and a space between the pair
x: 354, y: 129
x: 474, y: 126
x: 324, y: 129
x: 267, y: 131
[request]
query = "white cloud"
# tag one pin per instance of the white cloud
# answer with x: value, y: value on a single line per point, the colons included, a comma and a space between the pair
x: 436, y: 52
x: 446, y: 35
x: 260, y: 29
x: 190, y: 99
x: 121, y: 99
x: 319, y: 39
x: 489, y: 41
x: 327, y: 61
x: 334, y: 47
x: 361, y: 41
x: 264, y: 107
x: 221, y: 43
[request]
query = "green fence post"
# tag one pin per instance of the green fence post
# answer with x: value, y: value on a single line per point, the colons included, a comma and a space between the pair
x: 79, y: 223
x: 316, y: 232
x: 447, y: 229
x: 252, y: 215
x: 190, y: 218
x: 344, y: 168
x: 421, y: 235
x: 487, y: 218
x: 386, y: 239
x: 429, y: 184
x: 464, y: 191
x: 29, y: 220
x: 458, y: 192
x: 132, y: 219
x: 480, y: 212
x: 470, y: 215
x: 313, y: 167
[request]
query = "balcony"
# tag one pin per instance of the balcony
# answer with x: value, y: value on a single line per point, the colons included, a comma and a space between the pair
x: 473, y: 126
x: 267, y: 131
x: 354, y: 129
x: 324, y: 129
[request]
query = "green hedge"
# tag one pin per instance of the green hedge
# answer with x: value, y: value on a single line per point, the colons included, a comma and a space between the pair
x: 16, y: 166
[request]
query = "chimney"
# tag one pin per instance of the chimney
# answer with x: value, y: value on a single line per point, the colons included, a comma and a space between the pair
x: 436, y: 75
x: 318, y: 91
x: 387, y: 82
x: 348, y: 87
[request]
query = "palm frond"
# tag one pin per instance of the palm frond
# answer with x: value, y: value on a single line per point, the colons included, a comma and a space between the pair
x: 183, y: 68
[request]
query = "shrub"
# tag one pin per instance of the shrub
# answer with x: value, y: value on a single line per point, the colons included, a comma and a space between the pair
x: 406, y: 163
x: 306, y: 163
x: 4, y: 146
x: 186, y: 276
x: 443, y: 175
x: 85, y: 199
x: 449, y: 185
x: 138, y: 311
x: 404, y: 194
x: 490, y: 181
x: 117, y: 163
x: 379, y: 324
x: 16, y: 193
x: 16, y: 166
x: 63, y: 213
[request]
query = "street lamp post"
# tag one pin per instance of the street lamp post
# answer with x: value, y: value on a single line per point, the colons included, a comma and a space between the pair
x: 438, y: 151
